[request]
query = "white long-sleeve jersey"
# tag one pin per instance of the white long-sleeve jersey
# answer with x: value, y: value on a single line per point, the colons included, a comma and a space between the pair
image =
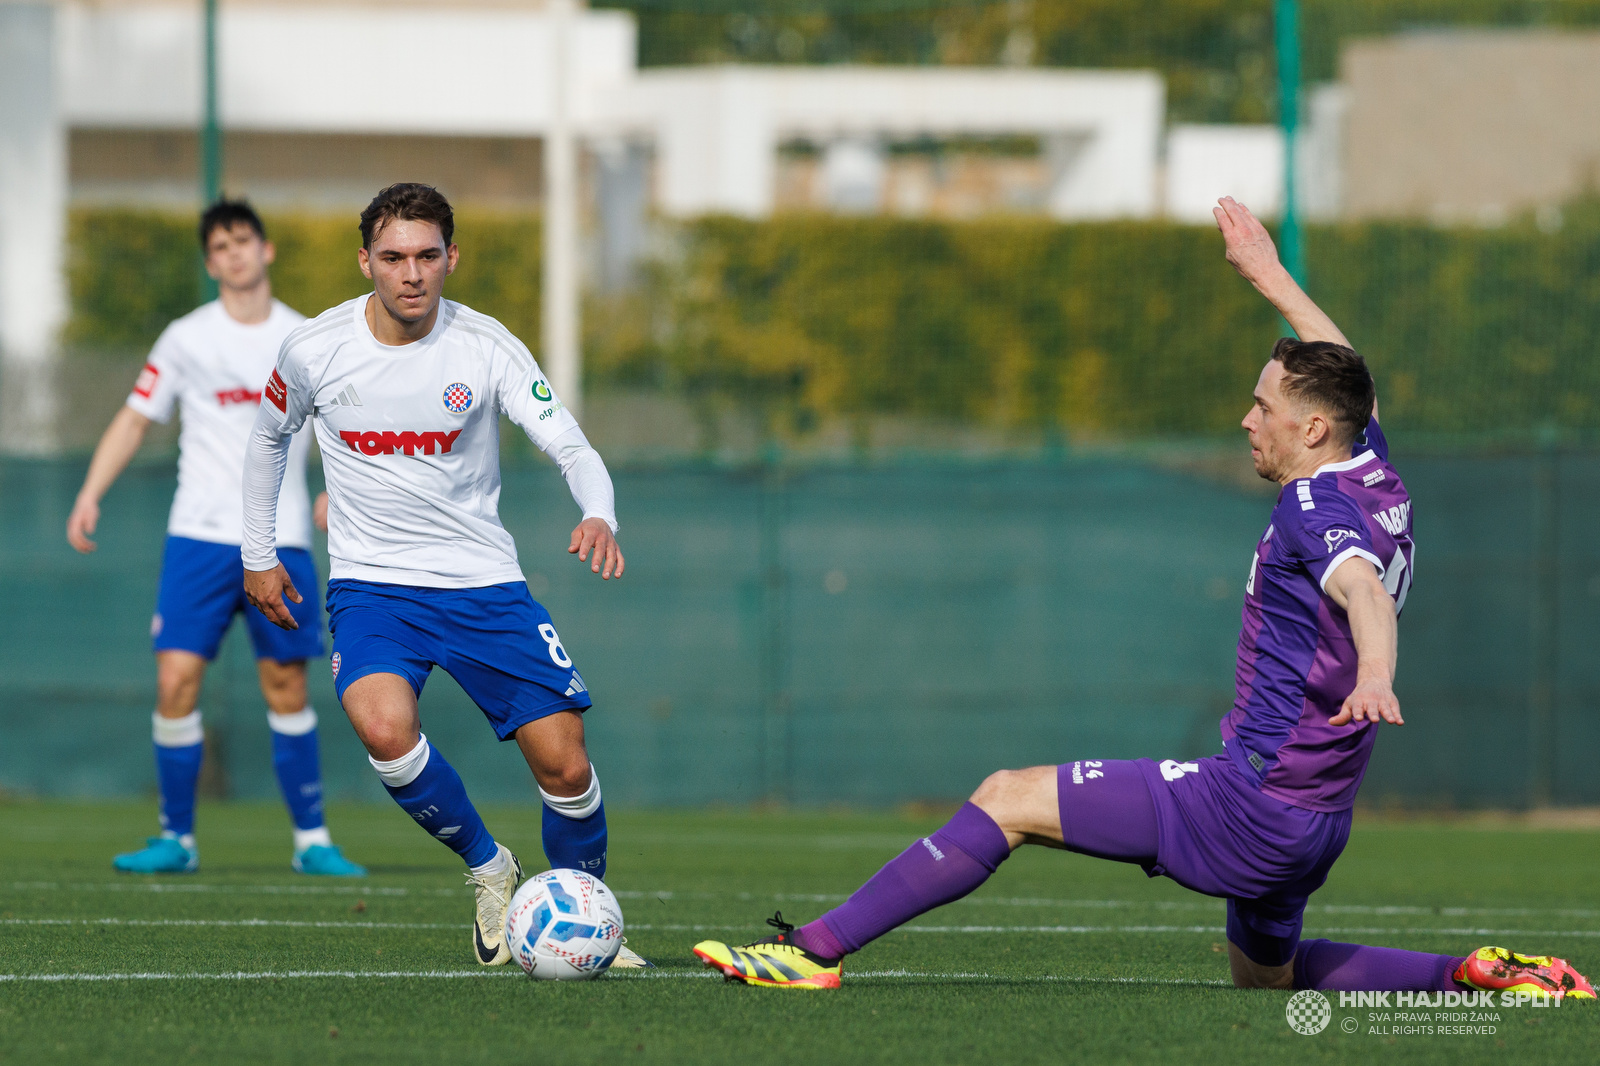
x: 410, y: 439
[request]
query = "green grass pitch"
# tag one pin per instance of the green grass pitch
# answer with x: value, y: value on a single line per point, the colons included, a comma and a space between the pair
x: 1058, y: 959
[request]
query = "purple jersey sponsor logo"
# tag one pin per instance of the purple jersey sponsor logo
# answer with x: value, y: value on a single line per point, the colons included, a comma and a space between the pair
x: 1333, y: 538
x: 1297, y: 661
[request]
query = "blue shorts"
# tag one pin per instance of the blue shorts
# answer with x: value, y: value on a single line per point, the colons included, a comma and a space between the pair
x: 202, y: 588
x: 1203, y: 825
x: 497, y: 643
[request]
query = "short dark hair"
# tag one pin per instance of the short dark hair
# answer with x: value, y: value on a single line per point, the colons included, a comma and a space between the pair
x: 226, y: 214
x: 1331, y: 377
x: 407, y: 201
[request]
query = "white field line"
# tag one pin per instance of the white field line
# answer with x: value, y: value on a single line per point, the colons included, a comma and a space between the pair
x: 269, y: 890
x: 235, y: 923
x: 627, y: 975
x: 658, y: 927
x: 667, y: 895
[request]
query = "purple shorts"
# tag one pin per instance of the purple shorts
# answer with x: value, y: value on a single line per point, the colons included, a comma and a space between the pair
x: 1203, y: 825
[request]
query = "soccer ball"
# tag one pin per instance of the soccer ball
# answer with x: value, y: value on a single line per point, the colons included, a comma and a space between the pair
x: 564, y: 925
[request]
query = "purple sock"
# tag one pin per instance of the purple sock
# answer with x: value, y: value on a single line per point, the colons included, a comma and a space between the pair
x: 930, y: 873
x: 1330, y: 967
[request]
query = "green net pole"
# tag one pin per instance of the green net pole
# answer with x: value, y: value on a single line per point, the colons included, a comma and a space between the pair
x: 210, y: 136
x: 1287, y: 21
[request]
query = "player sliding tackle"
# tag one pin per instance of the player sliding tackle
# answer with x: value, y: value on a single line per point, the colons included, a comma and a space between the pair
x: 406, y: 391
x: 1261, y: 824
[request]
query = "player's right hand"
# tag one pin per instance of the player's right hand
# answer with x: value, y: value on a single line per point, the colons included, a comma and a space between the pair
x: 1374, y: 701
x: 266, y: 591
x: 81, y: 522
x: 1249, y: 247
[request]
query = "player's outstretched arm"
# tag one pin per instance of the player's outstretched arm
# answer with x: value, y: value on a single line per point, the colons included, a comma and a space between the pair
x: 1356, y: 587
x: 117, y: 447
x: 1251, y: 252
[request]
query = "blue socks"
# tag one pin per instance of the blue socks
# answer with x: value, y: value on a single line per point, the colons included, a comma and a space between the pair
x: 294, y: 757
x: 179, y: 743
x: 575, y: 830
x: 429, y: 789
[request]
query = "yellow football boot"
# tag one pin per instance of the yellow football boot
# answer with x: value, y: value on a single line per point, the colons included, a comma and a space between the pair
x: 773, y: 960
x: 1499, y: 970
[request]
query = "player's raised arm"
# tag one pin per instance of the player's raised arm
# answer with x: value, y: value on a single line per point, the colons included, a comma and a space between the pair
x: 266, y: 457
x: 1356, y: 587
x: 1251, y: 252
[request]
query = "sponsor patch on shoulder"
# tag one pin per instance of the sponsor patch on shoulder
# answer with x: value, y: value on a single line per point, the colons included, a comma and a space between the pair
x: 277, y: 392
x: 1372, y: 478
x: 147, y: 382
x: 1333, y: 538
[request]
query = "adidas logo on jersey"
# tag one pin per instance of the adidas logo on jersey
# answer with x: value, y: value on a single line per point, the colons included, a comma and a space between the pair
x: 347, y: 398
x: 387, y: 442
x: 577, y: 685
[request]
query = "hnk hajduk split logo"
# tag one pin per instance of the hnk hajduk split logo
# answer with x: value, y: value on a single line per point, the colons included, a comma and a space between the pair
x: 1308, y: 1012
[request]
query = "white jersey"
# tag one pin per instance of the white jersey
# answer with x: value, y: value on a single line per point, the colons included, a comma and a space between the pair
x: 410, y: 438
x: 214, y: 367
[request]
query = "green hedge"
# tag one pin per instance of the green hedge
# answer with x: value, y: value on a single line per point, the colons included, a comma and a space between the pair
x: 1101, y: 329
x: 1120, y: 328
x: 130, y: 273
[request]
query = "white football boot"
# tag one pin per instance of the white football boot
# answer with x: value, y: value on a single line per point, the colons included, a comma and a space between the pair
x: 494, y: 892
x: 628, y: 959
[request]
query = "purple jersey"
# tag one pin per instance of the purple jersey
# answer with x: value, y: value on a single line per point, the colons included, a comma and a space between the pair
x: 1297, y: 660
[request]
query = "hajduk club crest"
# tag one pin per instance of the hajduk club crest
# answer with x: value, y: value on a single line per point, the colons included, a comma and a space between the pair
x: 457, y: 398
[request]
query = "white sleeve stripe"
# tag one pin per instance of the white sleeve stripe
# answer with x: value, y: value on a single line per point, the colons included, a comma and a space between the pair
x: 493, y: 328
x: 314, y: 328
x: 1338, y: 560
x: 500, y: 337
x: 515, y: 348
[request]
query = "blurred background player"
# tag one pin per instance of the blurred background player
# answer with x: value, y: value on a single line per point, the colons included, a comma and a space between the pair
x: 1261, y: 824
x: 406, y: 389
x: 210, y: 365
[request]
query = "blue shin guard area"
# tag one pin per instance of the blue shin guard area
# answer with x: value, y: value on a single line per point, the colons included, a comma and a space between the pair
x: 438, y: 801
x: 576, y: 843
x: 177, y: 773
x: 297, y: 764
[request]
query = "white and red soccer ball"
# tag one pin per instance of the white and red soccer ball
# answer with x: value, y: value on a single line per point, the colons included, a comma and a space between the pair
x: 564, y: 925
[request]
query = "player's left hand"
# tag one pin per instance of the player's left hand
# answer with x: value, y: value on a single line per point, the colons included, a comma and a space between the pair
x: 593, y: 535
x: 319, y: 511
x: 1372, y: 701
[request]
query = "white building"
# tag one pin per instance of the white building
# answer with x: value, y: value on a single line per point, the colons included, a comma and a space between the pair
x: 101, y: 101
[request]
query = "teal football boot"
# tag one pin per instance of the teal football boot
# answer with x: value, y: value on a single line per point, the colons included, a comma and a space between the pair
x: 161, y: 855
x: 325, y: 860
